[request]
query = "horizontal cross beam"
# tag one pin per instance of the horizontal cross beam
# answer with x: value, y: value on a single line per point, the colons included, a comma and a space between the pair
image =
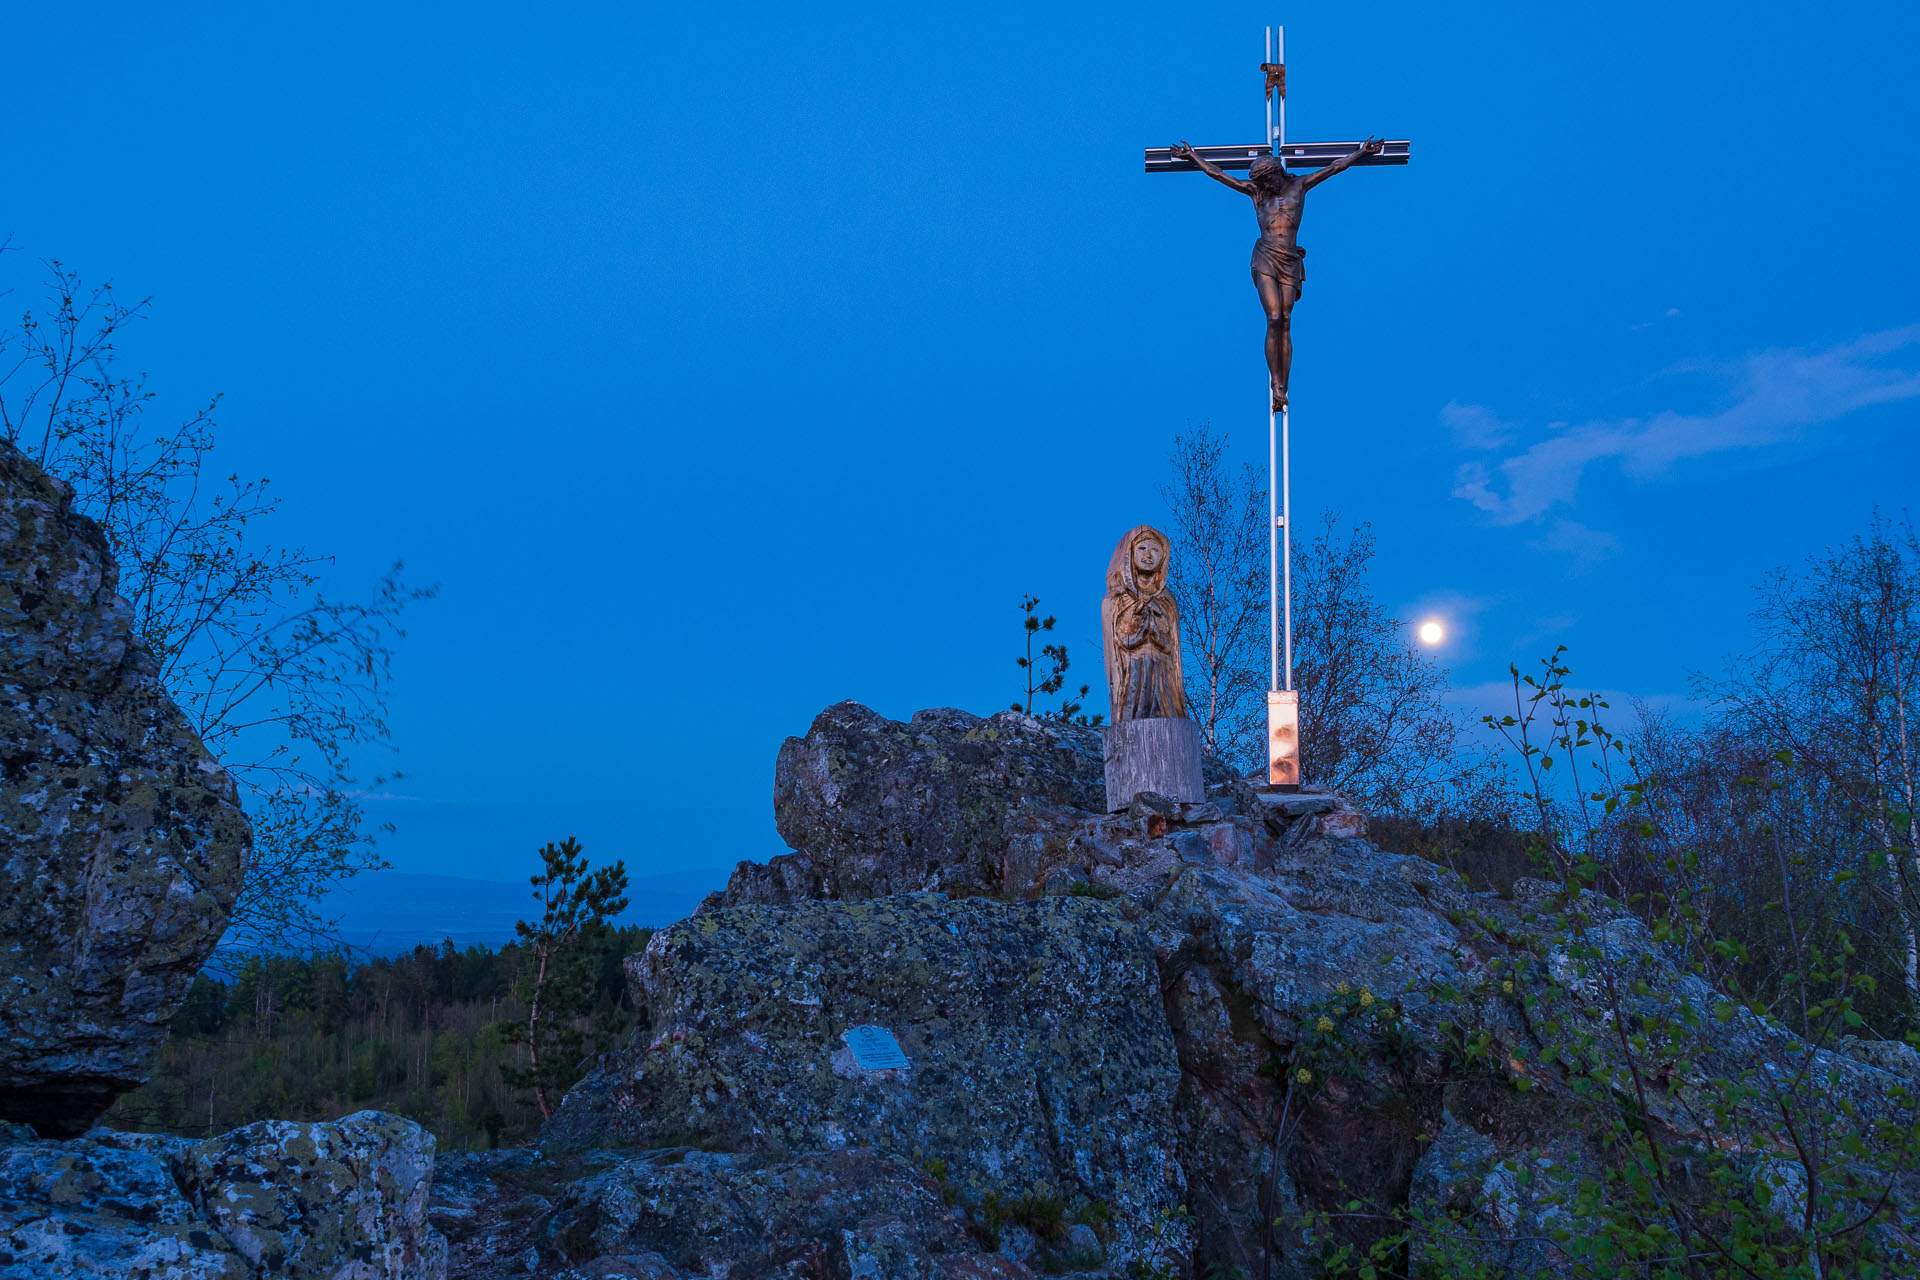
x: 1298, y: 155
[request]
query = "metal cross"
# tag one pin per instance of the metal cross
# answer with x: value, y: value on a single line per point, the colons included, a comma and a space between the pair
x: 1283, y: 703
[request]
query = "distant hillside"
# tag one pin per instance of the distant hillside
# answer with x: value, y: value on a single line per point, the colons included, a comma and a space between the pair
x: 421, y: 1033
x: 388, y: 912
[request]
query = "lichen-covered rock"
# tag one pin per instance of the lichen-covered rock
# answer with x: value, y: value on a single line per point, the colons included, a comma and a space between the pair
x: 1039, y: 1056
x: 1450, y: 1175
x: 708, y: 1214
x: 122, y: 841
x: 877, y: 807
x: 1710, y: 1040
x: 105, y: 1208
x: 680, y: 1213
x: 1895, y: 1057
x: 345, y: 1200
x: 1257, y: 952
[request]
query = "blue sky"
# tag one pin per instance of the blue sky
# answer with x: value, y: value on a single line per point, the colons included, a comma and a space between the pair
x: 722, y: 367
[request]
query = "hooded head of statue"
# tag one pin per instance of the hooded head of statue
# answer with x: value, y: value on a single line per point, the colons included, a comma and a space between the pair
x: 1139, y: 563
x: 1140, y: 623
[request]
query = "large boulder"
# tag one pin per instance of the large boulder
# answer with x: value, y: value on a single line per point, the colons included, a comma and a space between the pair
x: 875, y: 807
x: 345, y: 1200
x: 1039, y: 1062
x: 124, y: 841
x: 340, y: 1201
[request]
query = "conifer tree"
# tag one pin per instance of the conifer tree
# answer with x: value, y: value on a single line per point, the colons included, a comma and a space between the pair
x: 556, y: 980
x: 1056, y: 680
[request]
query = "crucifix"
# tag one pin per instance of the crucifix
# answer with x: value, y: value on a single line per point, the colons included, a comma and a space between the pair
x: 1279, y: 270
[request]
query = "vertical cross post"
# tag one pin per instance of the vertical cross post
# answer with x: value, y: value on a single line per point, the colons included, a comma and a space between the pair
x: 1276, y: 136
x: 1283, y: 704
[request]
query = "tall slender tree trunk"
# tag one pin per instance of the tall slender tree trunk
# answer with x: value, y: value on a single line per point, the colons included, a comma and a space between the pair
x: 1902, y: 864
x: 533, y: 1038
x: 1910, y: 856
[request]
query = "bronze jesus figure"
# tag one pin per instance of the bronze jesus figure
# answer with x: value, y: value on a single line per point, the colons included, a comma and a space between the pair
x: 1279, y: 267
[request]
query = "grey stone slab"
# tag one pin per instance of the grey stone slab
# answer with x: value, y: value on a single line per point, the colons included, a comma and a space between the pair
x: 1296, y: 804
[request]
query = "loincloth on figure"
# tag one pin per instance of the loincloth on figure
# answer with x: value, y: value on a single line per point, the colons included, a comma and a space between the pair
x: 1289, y: 265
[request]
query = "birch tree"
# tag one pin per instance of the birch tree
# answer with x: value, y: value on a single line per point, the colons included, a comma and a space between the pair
x: 1219, y: 576
x: 1833, y: 683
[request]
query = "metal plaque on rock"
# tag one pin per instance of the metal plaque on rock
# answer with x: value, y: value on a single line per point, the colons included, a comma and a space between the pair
x: 875, y: 1049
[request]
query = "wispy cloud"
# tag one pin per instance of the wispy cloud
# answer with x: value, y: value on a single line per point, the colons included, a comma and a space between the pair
x: 1543, y: 629
x: 1768, y: 398
x: 1474, y: 426
x: 1587, y: 547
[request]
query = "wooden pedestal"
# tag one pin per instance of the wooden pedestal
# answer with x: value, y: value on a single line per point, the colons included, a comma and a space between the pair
x: 1160, y: 754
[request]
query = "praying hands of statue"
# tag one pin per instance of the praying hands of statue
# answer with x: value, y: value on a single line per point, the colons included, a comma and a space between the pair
x: 1153, y: 627
x: 1279, y: 263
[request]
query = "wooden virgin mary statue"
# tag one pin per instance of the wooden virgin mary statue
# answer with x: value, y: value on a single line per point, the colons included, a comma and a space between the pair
x: 1141, y: 626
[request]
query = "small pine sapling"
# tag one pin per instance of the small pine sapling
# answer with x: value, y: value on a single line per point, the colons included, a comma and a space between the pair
x: 556, y: 978
x: 1056, y: 679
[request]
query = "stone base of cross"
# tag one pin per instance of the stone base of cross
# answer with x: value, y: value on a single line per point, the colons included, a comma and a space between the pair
x: 1283, y: 701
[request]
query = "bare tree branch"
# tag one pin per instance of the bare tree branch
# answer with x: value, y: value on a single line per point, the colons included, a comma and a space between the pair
x: 284, y: 685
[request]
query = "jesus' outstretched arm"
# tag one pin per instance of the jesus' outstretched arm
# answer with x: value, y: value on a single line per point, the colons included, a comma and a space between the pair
x: 1214, y: 171
x: 1371, y: 147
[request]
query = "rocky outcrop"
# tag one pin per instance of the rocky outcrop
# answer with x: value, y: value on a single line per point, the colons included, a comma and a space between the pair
x: 1357, y: 1041
x: 702, y: 1213
x: 341, y: 1201
x: 1037, y: 1056
x: 123, y: 839
x: 1227, y: 1038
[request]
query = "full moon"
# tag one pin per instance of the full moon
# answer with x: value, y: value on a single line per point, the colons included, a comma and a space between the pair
x: 1431, y: 632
